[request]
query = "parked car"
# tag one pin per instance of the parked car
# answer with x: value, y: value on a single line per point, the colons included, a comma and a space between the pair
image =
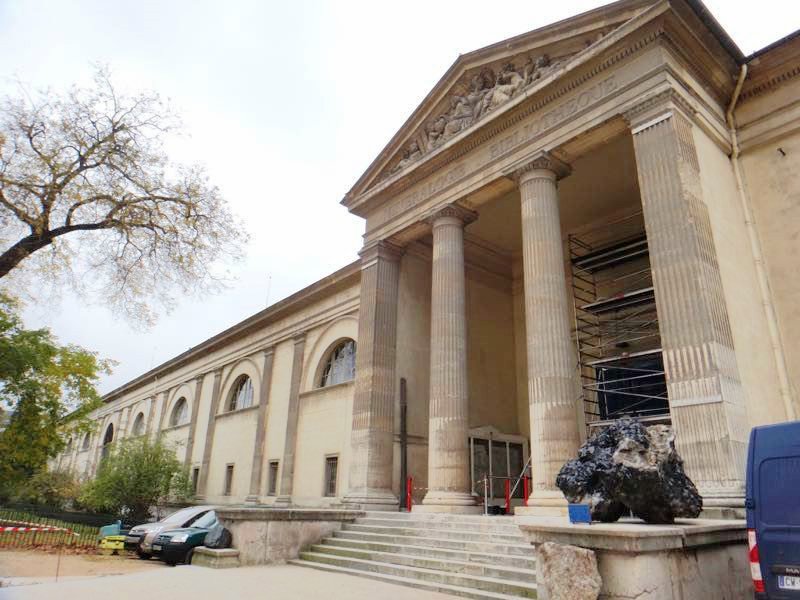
x: 140, y: 538
x: 177, y: 545
x: 772, y: 502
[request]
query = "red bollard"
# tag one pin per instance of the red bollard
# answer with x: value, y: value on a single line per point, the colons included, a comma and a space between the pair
x: 525, y: 490
x: 508, y: 496
x: 409, y: 488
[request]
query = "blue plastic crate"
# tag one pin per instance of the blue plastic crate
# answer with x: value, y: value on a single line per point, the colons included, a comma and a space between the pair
x: 579, y: 513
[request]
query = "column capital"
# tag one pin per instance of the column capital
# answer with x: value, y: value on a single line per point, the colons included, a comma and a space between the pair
x: 540, y: 165
x: 383, y: 249
x: 656, y: 108
x: 452, y: 211
x: 299, y: 337
x: 268, y: 351
x: 199, y: 378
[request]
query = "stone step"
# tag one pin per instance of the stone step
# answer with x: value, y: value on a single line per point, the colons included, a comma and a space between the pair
x: 455, y: 534
x: 438, y: 517
x: 486, y: 525
x: 474, y: 568
x: 454, y: 590
x: 499, y: 547
x: 511, y: 560
x: 511, y: 587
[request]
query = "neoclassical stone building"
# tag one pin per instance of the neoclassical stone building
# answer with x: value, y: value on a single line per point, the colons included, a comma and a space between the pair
x: 593, y: 219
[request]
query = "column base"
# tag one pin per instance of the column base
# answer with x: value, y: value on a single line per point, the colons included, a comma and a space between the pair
x: 382, y: 500
x: 460, y: 503
x: 544, y: 504
x: 252, y: 500
x: 282, y: 502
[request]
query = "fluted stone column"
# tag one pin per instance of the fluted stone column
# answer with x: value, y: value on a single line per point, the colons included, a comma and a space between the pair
x: 290, y: 442
x: 208, y: 445
x: 372, y: 437
x: 198, y: 391
x: 706, y: 398
x: 163, y: 414
x: 261, y: 428
x: 448, y: 429
x: 552, y: 375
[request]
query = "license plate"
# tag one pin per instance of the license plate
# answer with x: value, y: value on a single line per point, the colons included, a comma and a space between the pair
x: 788, y: 582
x: 156, y: 547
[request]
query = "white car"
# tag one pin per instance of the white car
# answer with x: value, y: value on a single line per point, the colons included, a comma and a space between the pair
x: 140, y: 538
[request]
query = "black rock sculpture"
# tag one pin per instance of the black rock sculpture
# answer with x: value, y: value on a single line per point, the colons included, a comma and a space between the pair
x: 628, y: 466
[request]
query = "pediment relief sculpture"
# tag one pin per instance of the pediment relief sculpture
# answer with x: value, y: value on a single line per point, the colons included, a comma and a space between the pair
x: 477, y: 95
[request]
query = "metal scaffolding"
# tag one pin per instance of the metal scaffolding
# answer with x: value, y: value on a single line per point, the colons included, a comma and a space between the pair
x: 616, y: 323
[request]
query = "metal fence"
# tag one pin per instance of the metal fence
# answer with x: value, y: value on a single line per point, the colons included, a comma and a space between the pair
x: 25, y: 529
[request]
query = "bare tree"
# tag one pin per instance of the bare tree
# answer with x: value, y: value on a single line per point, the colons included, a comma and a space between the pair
x: 84, y: 175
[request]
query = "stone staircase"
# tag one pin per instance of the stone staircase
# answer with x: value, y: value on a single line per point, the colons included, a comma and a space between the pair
x: 470, y: 556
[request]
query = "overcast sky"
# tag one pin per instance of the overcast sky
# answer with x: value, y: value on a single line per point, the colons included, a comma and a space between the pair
x: 286, y: 104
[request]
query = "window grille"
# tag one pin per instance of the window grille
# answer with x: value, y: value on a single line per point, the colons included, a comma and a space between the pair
x: 272, y: 487
x: 341, y: 365
x: 228, y: 480
x: 331, y: 468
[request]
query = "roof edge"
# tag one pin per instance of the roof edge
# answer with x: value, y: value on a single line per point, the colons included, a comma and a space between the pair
x: 264, y: 317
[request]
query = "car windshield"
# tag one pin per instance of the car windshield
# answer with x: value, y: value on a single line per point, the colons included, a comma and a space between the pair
x: 181, y: 516
x: 207, y: 521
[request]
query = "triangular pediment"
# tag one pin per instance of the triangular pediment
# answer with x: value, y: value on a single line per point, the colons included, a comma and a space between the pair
x: 483, y: 83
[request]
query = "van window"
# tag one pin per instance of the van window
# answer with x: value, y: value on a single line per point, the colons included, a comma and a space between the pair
x: 777, y: 480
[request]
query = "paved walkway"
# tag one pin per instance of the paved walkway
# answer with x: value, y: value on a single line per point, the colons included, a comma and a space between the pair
x: 199, y: 583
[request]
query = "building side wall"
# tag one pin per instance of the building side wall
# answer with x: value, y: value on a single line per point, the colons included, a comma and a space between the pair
x: 324, y: 421
x: 770, y: 136
x: 755, y: 359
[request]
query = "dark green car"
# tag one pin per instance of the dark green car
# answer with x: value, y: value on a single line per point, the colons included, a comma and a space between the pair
x: 177, y: 545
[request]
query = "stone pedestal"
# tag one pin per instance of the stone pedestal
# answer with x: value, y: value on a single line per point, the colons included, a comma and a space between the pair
x: 694, y: 558
x: 268, y: 535
x: 215, y: 558
x: 372, y: 437
x: 552, y: 373
x: 448, y: 437
x: 705, y: 394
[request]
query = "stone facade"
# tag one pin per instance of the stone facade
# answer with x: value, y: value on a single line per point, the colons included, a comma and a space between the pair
x: 640, y: 120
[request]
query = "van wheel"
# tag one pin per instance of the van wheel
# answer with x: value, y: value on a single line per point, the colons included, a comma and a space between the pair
x: 188, y: 558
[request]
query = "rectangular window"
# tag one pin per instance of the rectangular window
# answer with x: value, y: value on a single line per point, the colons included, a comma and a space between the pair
x: 272, y: 484
x: 228, y: 480
x: 331, y: 468
x: 195, y: 479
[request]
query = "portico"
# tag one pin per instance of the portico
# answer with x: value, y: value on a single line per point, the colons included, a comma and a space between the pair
x: 516, y: 152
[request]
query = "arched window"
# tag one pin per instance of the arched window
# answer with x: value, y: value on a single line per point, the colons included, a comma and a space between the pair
x: 87, y: 439
x: 107, y: 439
x: 109, y: 436
x: 340, y: 364
x: 138, y: 425
x: 241, y: 394
x: 180, y: 413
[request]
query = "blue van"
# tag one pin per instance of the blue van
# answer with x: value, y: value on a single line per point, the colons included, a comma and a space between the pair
x: 773, y: 510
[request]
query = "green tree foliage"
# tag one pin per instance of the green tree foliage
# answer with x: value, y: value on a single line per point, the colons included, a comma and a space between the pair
x: 54, y: 489
x: 46, y: 392
x: 136, y: 475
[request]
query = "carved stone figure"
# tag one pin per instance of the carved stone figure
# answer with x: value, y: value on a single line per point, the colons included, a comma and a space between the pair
x: 411, y: 154
x: 508, y: 84
x: 484, y: 93
x: 628, y: 466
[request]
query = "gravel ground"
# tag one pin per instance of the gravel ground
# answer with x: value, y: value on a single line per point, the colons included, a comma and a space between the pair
x: 27, y: 566
x: 277, y: 582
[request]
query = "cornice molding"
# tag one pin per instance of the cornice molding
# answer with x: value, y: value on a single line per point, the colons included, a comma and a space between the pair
x: 770, y: 83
